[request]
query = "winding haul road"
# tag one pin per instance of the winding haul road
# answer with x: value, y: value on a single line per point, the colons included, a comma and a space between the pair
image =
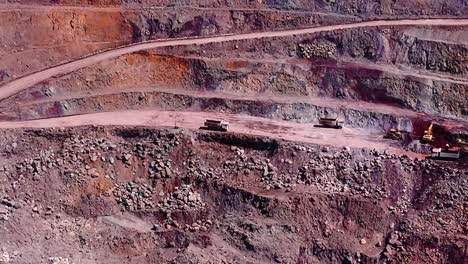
x: 23, y: 83
x: 245, y: 124
x: 191, y: 120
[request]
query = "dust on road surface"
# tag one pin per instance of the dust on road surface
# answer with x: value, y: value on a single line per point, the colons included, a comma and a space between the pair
x: 284, y: 99
x: 291, y: 131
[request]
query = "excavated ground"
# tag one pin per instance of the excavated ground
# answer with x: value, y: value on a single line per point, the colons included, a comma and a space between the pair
x: 40, y: 34
x: 422, y: 72
x: 127, y: 195
x: 285, y: 89
x: 37, y: 37
x: 275, y: 189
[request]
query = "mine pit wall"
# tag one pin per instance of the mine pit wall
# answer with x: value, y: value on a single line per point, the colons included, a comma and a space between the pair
x: 147, y: 69
x: 433, y: 55
x: 72, y: 34
x: 384, y: 9
x: 329, y: 77
x: 154, y: 24
x: 34, y: 40
x: 349, y: 82
x: 341, y: 210
x: 373, y: 44
x: 298, y: 112
x: 300, y: 79
x: 449, y: 58
x: 368, y: 45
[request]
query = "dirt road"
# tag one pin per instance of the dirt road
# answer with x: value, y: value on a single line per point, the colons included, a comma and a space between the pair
x: 32, y: 79
x: 347, y: 137
x: 327, y: 102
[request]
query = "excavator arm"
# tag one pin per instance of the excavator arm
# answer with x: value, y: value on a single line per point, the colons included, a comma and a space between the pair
x: 428, y: 137
x: 429, y: 130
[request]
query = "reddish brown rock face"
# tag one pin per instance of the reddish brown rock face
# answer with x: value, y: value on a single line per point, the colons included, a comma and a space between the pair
x: 102, y: 159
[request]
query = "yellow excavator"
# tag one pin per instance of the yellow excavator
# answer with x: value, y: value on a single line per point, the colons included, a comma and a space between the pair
x: 461, y: 142
x: 427, y: 136
x: 463, y: 145
x: 394, y: 134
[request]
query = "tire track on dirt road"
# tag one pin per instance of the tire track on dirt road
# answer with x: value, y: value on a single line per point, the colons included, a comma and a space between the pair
x: 244, y: 124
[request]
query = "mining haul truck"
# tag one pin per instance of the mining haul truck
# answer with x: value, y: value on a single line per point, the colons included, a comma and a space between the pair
x: 331, y: 122
x: 446, y: 154
x: 216, y: 125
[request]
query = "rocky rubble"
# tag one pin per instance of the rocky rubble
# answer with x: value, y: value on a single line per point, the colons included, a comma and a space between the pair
x: 278, y: 180
x: 59, y: 260
x: 75, y: 148
x: 393, y: 245
x: 322, y: 50
x: 196, y: 169
x: 183, y: 198
x: 160, y: 169
x: 326, y: 170
x: 134, y: 196
x: 334, y: 171
x: 269, y: 174
x: 7, y: 207
x: 166, y: 193
x: 39, y: 165
x: 200, y: 225
x: 156, y: 149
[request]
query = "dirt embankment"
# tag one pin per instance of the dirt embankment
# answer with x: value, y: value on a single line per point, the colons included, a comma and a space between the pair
x: 303, y: 112
x: 369, y: 64
x: 31, y: 41
x: 324, y: 78
x: 385, y: 9
x: 126, y: 195
x: 51, y: 36
x: 400, y: 46
x: 450, y: 58
x: 138, y: 194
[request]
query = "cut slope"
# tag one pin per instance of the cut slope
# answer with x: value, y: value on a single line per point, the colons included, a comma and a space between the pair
x: 28, y: 81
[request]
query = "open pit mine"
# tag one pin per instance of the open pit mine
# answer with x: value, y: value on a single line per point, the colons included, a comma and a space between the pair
x: 240, y: 131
